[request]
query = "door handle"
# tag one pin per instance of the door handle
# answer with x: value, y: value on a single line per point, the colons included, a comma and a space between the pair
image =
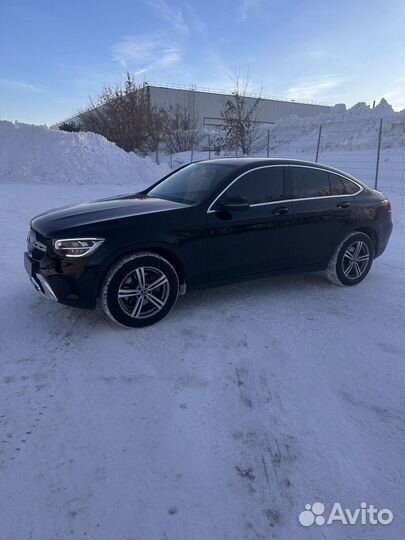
x: 343, y: 204
x: 280, y: 210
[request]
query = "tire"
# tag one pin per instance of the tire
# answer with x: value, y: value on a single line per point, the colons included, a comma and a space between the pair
x: 352, y: 260
x: 139, y: 290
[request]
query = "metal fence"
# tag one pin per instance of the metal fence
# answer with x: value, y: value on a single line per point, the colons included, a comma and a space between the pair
x: 371, y: 149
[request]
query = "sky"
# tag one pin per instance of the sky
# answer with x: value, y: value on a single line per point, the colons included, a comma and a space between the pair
x: 55, y: 55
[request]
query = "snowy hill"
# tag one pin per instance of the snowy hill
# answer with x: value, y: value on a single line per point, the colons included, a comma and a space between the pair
x: 353, y: 129
x: 39, y: 154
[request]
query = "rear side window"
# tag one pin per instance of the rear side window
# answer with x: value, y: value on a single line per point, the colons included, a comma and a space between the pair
x: 342, y: 186
x: 258, y: 186
x: 307, y: 182
x: 351, y: 187
x: 337, y: 186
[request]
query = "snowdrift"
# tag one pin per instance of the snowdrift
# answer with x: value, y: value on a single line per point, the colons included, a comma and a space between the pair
x: 342, y: 129
x: 30, y: 153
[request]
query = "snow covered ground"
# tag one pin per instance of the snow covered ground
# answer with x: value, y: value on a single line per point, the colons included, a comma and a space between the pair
x: 221, y: 422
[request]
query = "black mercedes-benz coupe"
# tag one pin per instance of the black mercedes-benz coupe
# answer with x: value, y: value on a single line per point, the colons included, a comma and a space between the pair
x: 207, y: 223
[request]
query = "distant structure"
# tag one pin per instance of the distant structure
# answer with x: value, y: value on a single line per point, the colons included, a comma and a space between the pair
x: 205, y: 105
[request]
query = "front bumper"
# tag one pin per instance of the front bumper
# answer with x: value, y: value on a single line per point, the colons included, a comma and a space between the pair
x: 61, y: 281
x: 37, y: 279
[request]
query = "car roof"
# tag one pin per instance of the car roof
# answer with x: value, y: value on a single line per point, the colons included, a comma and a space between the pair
x: 246, y: 163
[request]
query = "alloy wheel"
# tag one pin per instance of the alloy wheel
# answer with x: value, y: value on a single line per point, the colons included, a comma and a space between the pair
x: 143, y: 292
x: 355, y: 260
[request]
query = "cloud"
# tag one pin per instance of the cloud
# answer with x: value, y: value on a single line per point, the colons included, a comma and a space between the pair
x: 314, y: 88
x: 170, y: 14
x: 19, y: 85
x: 146, y: 52
x: 170, y: 57
x: 245, y: 7
x: 163, y: 51
x: 135, y: 49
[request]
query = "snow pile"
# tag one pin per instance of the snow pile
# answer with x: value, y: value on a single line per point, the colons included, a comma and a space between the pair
x: 354, y: 129
x: 39, y: 154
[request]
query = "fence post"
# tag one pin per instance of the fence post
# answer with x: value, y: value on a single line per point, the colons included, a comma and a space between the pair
x: 268, y: 143
x: 209, y: 146
x: 377, y: 165
x: 318, y: 143
x: 192, y: 145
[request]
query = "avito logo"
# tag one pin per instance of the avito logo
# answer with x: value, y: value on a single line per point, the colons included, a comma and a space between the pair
x: 365, y: 515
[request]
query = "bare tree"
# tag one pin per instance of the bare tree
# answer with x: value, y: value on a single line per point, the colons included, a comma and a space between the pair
x: 178, y: 128
x: 71, y: 126
x: 239, y: 117
x: 124, y: 116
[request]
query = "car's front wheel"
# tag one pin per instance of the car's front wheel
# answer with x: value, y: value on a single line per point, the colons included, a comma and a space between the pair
x: 139, y: 290
x: 352, y: 260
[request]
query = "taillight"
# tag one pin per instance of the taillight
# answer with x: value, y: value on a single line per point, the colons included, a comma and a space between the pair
x: 386, y: 205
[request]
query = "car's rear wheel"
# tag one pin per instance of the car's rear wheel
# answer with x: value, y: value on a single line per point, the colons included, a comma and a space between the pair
x: 140, y: 290
x: 352, y: 260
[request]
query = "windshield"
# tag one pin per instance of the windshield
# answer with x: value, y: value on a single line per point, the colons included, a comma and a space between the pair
x: 193, y: 183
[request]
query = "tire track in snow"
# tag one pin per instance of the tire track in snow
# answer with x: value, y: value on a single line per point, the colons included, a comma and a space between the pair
x: 267, y: 451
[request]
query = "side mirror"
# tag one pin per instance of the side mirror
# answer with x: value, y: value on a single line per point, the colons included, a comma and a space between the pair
x: 236, y: 204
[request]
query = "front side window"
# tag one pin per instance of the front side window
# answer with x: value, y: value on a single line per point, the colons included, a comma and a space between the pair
x: 262, y: 185
x: 307, y: 182
x: 191, y: 184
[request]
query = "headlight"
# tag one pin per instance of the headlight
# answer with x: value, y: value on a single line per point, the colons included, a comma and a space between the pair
x: 76, y: 247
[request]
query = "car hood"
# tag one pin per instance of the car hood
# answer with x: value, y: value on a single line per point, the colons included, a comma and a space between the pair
x: 68, y: 217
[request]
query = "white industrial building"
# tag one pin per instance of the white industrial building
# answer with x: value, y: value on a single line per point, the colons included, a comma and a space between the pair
x: 206, y: 105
